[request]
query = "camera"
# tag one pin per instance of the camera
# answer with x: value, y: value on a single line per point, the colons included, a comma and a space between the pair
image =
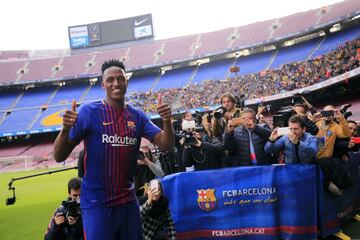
x: 71, y: 208
x: 344, y: 110
x: 281, y: 118
x: 141, y: 155
x: 219, y: 112
x: 189, y: 138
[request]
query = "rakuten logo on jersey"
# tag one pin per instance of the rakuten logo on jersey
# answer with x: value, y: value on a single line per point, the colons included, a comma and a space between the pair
x: 117, y: 141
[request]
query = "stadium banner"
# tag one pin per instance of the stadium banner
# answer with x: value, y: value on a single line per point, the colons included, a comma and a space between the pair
x: 260, y: 202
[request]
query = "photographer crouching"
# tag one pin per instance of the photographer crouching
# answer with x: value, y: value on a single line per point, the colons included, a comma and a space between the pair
x: 66, y: 223
x: 202, y: 151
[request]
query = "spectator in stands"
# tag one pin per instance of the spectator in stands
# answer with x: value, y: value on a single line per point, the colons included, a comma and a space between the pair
x: 112, y: 132
x: 229, y: 110
x: 246, y: 142
x: 148, y: 168
x: 155, y: 214
x: 62, y: 225
x: 298, y: 145
x: 204, y: 153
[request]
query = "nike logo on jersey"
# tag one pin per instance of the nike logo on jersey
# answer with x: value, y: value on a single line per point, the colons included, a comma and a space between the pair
x: 107, y: 123
x: 137, y: 23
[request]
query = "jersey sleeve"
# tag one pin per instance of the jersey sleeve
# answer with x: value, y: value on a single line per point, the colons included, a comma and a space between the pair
x: 150, y: 129
x: 77, y: 132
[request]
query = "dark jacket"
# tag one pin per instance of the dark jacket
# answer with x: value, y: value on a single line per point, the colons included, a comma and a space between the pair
x: 64, y: 231
x: 310, y: 126
x: 237, y: 143
x: 208, y: 156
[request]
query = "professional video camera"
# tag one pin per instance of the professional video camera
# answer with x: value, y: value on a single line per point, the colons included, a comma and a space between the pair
x: 219, y: 112
x: 281, y: 118
x: 71, y: 208
x: 188, y: 127
x: 344, y: 110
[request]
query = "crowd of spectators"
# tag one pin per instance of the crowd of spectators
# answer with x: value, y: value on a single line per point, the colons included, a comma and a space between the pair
x: 288, y: 77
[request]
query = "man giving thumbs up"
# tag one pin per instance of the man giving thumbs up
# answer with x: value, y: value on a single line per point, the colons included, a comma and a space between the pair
x: 112, y: 132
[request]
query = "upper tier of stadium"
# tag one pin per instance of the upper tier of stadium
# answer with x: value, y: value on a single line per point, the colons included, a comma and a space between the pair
x: 18, y: 67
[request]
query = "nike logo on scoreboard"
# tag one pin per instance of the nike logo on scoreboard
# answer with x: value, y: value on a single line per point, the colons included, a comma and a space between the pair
x: 137, y: 23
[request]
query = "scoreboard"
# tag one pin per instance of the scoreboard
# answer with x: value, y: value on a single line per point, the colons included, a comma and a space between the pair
x: 110, y: 32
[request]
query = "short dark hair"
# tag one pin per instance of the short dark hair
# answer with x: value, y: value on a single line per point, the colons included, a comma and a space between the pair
x: 112, y: 63
x: 74, y: 184
x: 297, y: 119
x: 352, y: 121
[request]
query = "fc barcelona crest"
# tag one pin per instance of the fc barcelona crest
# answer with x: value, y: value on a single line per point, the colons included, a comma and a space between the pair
x: 206, y: 199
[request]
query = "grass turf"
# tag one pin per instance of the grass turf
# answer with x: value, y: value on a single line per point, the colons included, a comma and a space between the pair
x: 36, y: 200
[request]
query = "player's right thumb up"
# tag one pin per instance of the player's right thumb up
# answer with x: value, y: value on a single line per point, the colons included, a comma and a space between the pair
x: 73, y: 105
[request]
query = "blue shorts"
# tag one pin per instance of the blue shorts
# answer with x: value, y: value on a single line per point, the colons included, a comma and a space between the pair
x: 121, y: 222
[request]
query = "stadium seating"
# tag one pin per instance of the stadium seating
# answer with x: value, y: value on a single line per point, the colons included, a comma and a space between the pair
x: 214, y: 42
x: 295, y: 23
x: 252, y: 34
x: 142, y: 83
x: 175, y: 78
x: 254, y: 63
x: 9, y: 71
x: 101, y: 57
x: 336, y: 10
x: 334, y: 40
x: 177, y: 49
x: 18, y: 120
x: 75, y: 65
x: 67, y: 93
x: 213, y: 70
x: 298, y: 52
x: 40, y: 69
x: 7, y: 98
x: 35, y: 97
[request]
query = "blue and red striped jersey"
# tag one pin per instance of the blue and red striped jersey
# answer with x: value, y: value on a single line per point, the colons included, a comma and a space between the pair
x: 111, y: 142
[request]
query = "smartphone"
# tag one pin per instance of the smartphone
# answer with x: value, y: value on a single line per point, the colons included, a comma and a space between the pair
x: 154, y: 184
x: 283, y: 131
x: 329, y: 113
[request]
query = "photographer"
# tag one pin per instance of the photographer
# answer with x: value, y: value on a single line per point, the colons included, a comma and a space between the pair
x: 332, y: 126
x: 344, y: 146
x: 202, y: 151
x: 66, y: 223
x: 222, y: 115
x: 148, y: 167
x: 310, y: 126
x: 299, y: 146
x: 246, y: 142
x: 156, y: 218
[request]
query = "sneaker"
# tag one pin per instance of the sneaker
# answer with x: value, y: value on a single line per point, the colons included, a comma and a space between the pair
x: 334, y: 189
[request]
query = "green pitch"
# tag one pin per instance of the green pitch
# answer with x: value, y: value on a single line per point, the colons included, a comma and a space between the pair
x: 36, y: 200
